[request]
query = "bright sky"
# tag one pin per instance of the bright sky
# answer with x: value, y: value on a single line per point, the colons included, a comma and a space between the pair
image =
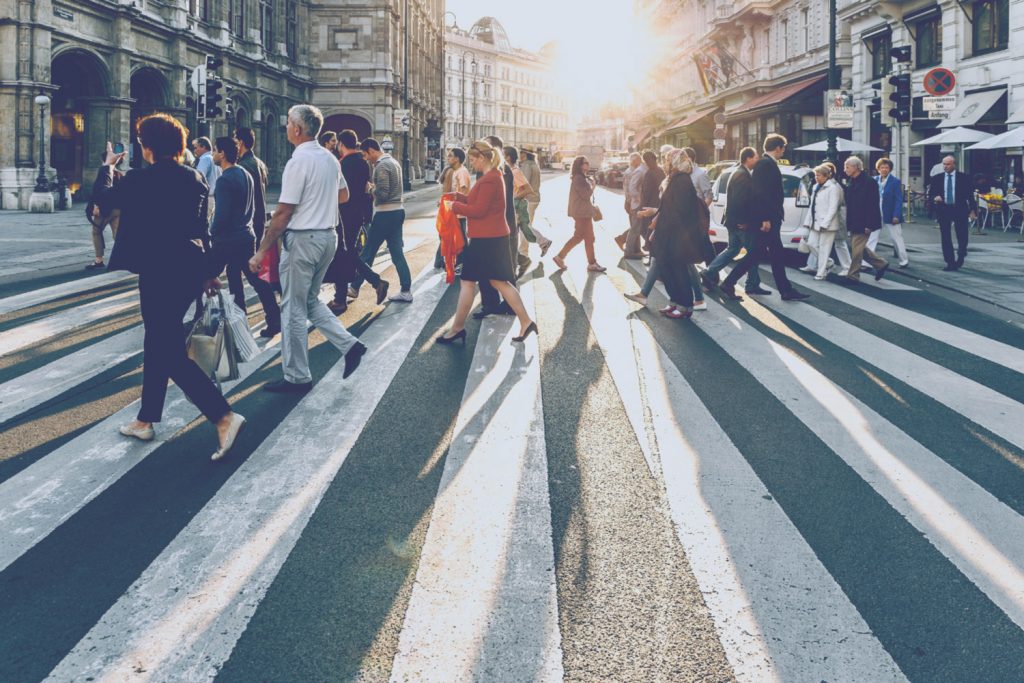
x: 602, y: 49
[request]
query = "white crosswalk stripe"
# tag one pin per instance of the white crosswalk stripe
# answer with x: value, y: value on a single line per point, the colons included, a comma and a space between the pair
x: 485, y: 602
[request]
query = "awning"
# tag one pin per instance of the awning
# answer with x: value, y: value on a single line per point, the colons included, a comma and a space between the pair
x: 971, y: 108
x: 1017, y: 116
x: 691, y: 119
x: 641, y: 136
x: 776, y: 96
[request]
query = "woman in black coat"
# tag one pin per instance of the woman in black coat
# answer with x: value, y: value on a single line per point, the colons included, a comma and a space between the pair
x: 163, y: 222
x: 678, y: 239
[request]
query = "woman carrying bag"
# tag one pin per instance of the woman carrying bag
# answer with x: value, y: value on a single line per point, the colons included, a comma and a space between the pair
x: 487, y: 257
x: 583, y: 212
x: 163, y: 222
x: 823, y: 218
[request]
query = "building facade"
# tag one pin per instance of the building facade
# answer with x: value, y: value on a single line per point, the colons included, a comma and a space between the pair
x: 358, y: 52
x: 106, y: 63
x: 493, y: 88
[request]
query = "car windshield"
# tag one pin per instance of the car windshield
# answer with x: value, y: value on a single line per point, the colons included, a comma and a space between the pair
x: 798, y: 187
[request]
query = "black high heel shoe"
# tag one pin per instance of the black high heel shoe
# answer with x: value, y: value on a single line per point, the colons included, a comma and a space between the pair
x: 461, y: 334
x: 530, y: 329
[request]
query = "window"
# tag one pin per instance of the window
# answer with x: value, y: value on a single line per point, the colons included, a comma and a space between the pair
x: 267, y: 24
x: 345, y: 39
x: 805, y: 28
x: 206, y: 9
x: 879, y: 47
x: 236, y: 17
x: 991, y: 29
x: 291, y: 30
x: 784, y: 36
x: 929, y: 42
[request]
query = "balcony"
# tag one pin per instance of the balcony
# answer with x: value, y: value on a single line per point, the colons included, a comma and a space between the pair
x: 744, y: 10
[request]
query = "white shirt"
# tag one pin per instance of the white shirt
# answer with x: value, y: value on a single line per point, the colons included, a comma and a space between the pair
x: 210, y: 170
x: 702, y: 183
x: 311, y: 181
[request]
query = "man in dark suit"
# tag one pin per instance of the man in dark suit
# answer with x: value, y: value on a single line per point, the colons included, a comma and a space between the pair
x: 952, y: 193
x: 245, y: 141
x: 767, y: 215
x: 863, y: 217
x: 739, y: 206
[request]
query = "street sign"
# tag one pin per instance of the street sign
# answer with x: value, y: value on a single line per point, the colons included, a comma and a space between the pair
x: 839, y: 109
x: 719, y: 120
x: 386, y: 144
x: 939, y: 114
x: 719, y: 143
x: 939, y: 81
x: 401, y: 122
x: 198, y: 79
x: 945, y: 103
x: 719, y: 134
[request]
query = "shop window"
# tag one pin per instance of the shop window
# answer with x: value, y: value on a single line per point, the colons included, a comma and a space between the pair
x: 879, y: 47
x: 991, y: 27
x: 928, y: 47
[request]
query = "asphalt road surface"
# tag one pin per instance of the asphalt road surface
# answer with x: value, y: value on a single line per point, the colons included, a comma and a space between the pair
x: 821, y: 491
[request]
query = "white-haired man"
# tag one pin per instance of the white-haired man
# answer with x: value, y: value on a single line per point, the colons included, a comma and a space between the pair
x: 953, y: 195
x: 312, y: 187
x: 863, y: 217
x: 632, y: 184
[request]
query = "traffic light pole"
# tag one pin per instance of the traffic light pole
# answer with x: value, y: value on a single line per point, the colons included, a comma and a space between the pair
x: 833, y: 76
x: 406, y: 166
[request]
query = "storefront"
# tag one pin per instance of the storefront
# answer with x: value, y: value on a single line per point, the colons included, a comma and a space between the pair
x: 795, y: 110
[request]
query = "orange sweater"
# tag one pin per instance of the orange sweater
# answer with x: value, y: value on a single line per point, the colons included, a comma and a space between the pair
x: 484, y: 206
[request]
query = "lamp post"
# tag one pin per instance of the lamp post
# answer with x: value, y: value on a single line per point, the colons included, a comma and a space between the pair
x: 833, y: 77
x: 42, y: 184
x: 515, y: 124
x: 462, y: 118
x: 475, y: 69
x: 407, y: 181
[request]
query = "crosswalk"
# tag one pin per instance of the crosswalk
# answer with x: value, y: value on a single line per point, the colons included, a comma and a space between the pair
x: 825, y: 491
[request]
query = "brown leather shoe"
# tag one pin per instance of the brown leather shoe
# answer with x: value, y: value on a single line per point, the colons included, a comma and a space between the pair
x: 338, y: 307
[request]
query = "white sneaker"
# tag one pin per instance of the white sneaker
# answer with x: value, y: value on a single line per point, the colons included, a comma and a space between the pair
x: 401, y: 297
x: 808, y: 269
x: 702, y: 306
x: 844, y: 272
x: 819, y: 277
x: 141, y: 433
x: 831, y: 262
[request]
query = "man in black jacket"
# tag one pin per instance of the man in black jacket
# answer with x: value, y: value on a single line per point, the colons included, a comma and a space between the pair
x: 245, y: 142
x: 863, y: 217
x: 767, y: 215
x: 739, y: 207
x: 953, y: 196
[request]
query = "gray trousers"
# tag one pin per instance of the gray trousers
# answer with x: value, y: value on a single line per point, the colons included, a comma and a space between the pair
x: 636, y: 228
x: 304, y: 261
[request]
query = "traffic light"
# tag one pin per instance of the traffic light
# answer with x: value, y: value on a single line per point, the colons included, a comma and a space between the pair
x: 900, y: 55
x: 900, y: 97
x: 213, y: 62
x: 213, y: 97
x: 209, y: 90
x: 883, y: 101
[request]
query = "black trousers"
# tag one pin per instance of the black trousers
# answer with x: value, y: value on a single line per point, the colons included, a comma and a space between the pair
x: 948, y: 218
x: 165, y: 300
x: 235, y: 257
x: 489, y: 297
x: 770, y: 242
x: 348, y: 251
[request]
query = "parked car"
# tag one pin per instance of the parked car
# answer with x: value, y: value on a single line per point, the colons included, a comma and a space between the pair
x: 612, y: 175
x: 714, y: 170
x: 797, y: 182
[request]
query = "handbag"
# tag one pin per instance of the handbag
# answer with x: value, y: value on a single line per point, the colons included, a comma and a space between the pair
x: 804, y: 247
x: 210, y: 343
x: 269, y: 266
x: 598, y: 216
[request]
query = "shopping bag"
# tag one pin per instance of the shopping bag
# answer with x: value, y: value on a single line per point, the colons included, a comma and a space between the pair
x: 450, y: 233
x: 208, y: 343
x: 268, y: 268
x: 244, y: 344
x: 804, y: 247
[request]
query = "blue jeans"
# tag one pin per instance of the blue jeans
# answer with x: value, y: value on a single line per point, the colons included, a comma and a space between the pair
x: 654, y: 274
x: 386, y: 226
x: 738, y: 239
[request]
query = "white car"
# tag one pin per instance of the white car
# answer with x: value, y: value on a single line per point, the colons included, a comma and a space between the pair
x: 796, y: 182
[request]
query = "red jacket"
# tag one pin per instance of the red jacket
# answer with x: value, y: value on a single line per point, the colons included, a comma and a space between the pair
x: 484, y: 206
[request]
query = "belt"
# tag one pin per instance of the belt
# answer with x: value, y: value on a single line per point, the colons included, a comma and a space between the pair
x: 309, y: 229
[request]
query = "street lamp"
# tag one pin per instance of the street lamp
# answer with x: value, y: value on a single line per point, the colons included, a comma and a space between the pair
x: 833, y: 77
x: 406, y: 166
x: 515, y: 124
x: 475, y: 70
x: 42, y: 184
x: 462, y: 118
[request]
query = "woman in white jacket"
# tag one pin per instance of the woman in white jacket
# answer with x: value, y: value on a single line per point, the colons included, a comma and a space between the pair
x: 824, y: 217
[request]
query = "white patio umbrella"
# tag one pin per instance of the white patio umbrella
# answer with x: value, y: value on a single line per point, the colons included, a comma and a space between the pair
x: 954, y: 136
x: 1011, y: 138
x: 842, y: 145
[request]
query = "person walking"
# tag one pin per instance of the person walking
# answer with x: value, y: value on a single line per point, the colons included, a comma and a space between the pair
x: 491, y: 302
x: 312, y: 187
x: 531, y: 170
x: 232, y: 237
x: 245, y: 140
x: 863, y: 216
x: 388, y: 218
x: 953, y: 198
x: 743, y: 234
x: 163, y: 222
x: 650, y: 190
x: 329, y: 141
x: 204, y: 164
x: 632, y: 184
x: 823, y: 218
x: 456, y: 180
x: 99, y: 222
x: 890, y: 191
x: 521, y: 189
x: 581, y: 210
x: 678, y: 240
x: 768, y: 214
x: 487, y: 254
x: 355, y: 214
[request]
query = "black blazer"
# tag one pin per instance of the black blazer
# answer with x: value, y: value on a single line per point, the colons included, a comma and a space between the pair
x: 863, y: 206
x: 163, y: 215
x: 768, y: 191
x: 739, y: 199
x: 963, y: 192
x: 258, y: 170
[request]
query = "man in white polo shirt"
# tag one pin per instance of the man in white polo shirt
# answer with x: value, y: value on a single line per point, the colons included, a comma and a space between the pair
x: 312, y: 187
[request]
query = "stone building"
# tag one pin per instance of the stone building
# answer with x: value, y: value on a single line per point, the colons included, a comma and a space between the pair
x: 105, y: 63
x: 358, y: 50
x: 492, y: 87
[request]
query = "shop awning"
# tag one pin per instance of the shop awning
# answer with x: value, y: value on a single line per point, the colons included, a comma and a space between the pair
x: 777, y: 96
x: 641, y: 136
x: 971, y: 108
x: 1016, y: 117
x: 691, y: 119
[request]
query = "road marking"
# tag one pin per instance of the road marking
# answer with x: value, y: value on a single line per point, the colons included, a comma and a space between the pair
x: 66, y: 321
x: 49, y: 255
x: 975, y: 344
x: 182, y: 617
x: 65, y: 289
x: 759, y: 595
x: 489, y: 550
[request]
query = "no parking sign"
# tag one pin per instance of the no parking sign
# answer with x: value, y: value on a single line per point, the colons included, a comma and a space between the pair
x: 939, y: 81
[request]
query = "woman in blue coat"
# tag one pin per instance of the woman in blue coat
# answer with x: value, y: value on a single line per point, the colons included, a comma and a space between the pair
x: 890, y: 192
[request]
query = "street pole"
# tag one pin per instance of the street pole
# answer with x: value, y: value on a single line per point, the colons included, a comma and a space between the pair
x: 833, y: 76
x: 42, y: 184
x: 474, y: 98
x: 515, y: 124
x: 406, y: 166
